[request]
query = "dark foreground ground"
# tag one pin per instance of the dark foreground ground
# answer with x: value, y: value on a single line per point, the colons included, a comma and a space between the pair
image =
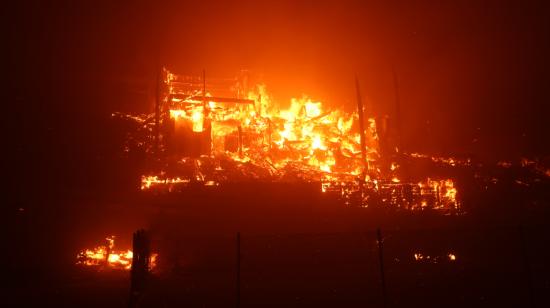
x: 298, y: 249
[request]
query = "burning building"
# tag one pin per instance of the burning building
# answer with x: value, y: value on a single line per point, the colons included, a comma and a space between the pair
x: 215, y: 131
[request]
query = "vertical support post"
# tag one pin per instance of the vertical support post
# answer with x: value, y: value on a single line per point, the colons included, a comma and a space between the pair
x: 398, y: 111
x: 269, y: 131
x: 381, y: 262
x: 360, y: 111
x: 205, y: 109
x: 240, y: 131
x: 526, y: 266
x: 206, y: 141
x: 107, y: 250
x: 238, y: 282
x: 157, y: 111
x: 204, y: 88
x: 438, y: 193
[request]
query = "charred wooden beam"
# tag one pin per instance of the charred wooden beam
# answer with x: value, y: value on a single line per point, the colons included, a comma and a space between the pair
x: 240, y: 131
x: 212, y: 99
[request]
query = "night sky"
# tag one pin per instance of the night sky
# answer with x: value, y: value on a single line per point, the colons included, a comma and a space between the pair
x: 473, y: 75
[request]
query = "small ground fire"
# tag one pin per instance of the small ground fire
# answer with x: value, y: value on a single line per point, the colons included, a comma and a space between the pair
x: 107, y: 257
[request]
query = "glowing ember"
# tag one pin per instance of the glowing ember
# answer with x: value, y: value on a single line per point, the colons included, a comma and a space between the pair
x: 420, y: 257
x: 443, y: 160
x: 150, y: 181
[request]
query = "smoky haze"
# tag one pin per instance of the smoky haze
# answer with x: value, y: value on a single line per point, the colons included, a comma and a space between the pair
x: 472, y: 75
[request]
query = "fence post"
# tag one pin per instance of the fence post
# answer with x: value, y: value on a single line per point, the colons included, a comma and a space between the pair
x: 139, y: 272
x: 381, y: 262
x: 238, y: 282
x: 526, y: 266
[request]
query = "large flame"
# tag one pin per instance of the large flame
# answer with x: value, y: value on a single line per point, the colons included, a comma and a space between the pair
x: 306, y: 133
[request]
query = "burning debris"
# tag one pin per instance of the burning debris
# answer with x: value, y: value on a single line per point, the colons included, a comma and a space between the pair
x: 420, y: 257
x: 242, y: 134
x: 106, y: 256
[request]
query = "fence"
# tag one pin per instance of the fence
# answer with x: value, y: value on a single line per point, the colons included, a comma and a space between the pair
x: 504, y: 266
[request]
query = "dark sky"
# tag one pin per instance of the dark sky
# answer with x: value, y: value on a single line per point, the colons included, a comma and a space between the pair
x: 473, y: 75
